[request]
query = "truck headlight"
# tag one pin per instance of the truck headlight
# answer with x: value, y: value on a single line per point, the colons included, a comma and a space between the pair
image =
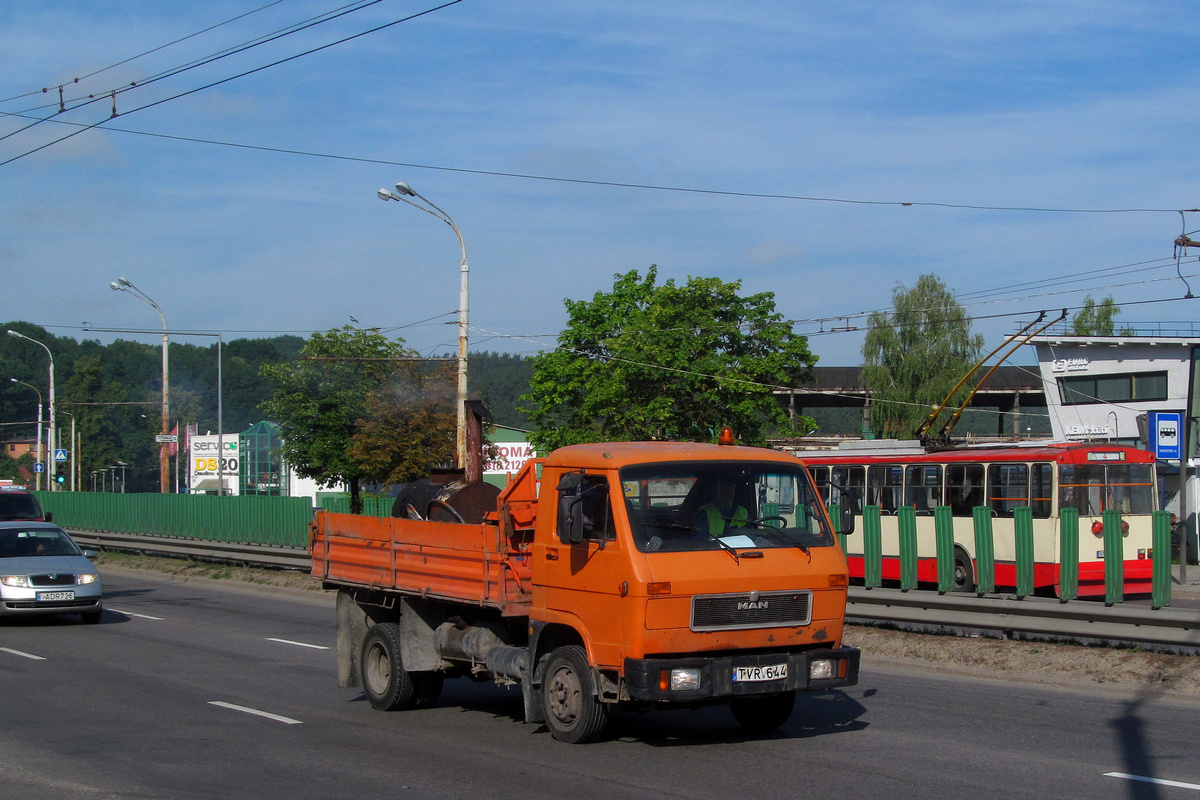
x: 680, y: 679
x: 821, y: 669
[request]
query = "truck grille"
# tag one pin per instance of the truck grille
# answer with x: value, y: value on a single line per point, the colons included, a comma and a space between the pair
x: 713, y: 612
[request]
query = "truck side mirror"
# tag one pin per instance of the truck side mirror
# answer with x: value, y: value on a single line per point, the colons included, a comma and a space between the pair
x: 582, y: 508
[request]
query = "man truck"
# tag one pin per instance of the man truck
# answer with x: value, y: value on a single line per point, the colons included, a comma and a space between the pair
x: 596, y: 581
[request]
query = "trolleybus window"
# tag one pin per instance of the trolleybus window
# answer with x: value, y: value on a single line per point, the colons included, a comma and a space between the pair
x: 841, y: 485
x: 884, y: 483
x: 1008, y: 487
x: 1041, y: 490
x: 964, y: 488
x: 1095, y: 488
x: 923, y: 487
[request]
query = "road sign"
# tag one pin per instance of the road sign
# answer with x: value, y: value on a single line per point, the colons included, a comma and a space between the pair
x: 60, y: 455
x: 170, y: 438
x: 39, y: 467
x: 1165, y: 433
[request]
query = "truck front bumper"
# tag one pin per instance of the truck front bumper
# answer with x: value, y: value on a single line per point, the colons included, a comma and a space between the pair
x: 704, y: 678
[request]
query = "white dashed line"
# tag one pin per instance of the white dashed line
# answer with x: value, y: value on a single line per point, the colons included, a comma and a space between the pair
x: 1157, y: 781
x: 139, y: 616
x: 297, y: 644
x: 256, y: 712
x: 23, y: 655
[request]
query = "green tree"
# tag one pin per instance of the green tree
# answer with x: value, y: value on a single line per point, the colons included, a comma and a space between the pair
x: 323, y: 401
x: 915, y: 354
x: 1095, y: 320
x: 649, y: 361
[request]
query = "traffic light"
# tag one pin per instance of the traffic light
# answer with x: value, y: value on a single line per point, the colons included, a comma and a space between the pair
x: 60, y: 478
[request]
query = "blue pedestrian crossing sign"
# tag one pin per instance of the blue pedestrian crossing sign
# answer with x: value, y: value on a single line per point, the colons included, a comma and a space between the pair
x: 60, y: 455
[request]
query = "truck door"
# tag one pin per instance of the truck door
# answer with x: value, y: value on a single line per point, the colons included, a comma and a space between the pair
x: 583, y: 566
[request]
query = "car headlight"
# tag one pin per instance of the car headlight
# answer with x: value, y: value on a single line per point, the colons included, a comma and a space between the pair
x: 14, y: 580
x: 87, y: 577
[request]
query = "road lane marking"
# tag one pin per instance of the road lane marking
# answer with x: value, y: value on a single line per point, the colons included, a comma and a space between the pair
x: 297, y: 644
x: 1158, y: 781
x: 23, y: 655
x: 139, y: 616
x: 256, y: 712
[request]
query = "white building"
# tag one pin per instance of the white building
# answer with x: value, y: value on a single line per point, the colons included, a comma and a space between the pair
x: 1102, y: 388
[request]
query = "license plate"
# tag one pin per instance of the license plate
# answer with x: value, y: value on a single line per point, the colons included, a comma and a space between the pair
x: 52, y: 596
x: 772, y: 672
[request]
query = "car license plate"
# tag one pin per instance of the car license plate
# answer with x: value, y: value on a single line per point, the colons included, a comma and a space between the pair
x: 771, y: 672
x: 44, y: 597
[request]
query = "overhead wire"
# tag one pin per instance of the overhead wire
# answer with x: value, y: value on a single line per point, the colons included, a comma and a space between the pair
x: 124, y: 61
x: 161, y: 101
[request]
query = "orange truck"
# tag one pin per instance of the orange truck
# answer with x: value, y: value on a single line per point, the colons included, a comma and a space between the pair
x: 623, y: 575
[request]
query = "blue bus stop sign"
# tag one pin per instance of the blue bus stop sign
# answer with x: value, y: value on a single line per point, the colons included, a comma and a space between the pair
x: 1166, y: 432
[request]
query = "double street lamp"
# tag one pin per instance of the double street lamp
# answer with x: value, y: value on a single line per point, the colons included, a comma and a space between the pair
x: 50, y: 461
x: 402, y: 193
x: 123, y: 285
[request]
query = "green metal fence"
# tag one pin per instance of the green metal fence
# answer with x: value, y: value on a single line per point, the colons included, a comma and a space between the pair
x: 985, y: 562
x: 372, y: 506
x: 249, y: 519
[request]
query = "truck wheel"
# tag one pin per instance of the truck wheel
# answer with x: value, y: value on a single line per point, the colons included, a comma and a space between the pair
x: 388, y: 686
x: 763, y: 713
x: 573, y: 712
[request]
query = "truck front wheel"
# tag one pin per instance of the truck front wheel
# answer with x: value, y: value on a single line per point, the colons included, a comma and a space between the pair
x: 388, y: 686
x: 573, y: 712
x: 763, y: 713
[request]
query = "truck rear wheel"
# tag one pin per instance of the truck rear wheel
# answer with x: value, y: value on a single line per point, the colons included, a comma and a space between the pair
x: 388, y: 686
x: 573, y: 712
x: 763, y: 713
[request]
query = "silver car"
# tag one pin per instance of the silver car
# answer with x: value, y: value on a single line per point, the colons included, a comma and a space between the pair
x: 43, y: 572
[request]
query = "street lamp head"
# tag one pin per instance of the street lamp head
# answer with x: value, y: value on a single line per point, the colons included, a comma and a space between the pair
x: 11, y: 332
x: 404, y: 189
x: 384, y: 194
x: 124, y: 282
x: 116, y: 287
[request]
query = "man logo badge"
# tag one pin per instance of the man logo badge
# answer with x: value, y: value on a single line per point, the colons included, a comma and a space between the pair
x: 752, y: 602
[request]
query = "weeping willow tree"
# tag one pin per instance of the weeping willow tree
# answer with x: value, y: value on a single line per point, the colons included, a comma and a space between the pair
x: 914, y: 354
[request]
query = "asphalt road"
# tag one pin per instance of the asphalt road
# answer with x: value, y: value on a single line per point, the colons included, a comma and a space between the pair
x: 196, y: 690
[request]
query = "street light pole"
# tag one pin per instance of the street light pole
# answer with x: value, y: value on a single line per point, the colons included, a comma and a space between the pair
x: 37, y: 475
x: 51, y: 434
x: 164, y: 476
x: 402, y: 193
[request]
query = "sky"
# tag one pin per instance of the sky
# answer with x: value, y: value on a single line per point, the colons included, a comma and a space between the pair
x: 1029, y: 154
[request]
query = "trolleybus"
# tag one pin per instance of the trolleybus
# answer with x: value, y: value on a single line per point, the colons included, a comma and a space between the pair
x: 1046, y: 476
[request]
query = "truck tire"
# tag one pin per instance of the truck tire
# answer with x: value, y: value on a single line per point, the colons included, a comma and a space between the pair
x: 387, y: 685
x: 573, y: 712
x: 763, y: 713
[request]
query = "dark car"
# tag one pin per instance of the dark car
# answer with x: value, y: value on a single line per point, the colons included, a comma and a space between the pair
x: 18, y: 503
x: 42, y: 571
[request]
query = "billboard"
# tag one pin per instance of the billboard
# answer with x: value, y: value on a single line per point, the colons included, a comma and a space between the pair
x: 208, y: 462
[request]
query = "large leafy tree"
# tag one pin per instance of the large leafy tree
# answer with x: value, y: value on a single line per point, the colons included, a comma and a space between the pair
x: 335, y: 403
x: 915, y: 354
x: 651, y: 361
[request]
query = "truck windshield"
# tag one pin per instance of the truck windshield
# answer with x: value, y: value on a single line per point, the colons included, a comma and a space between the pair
x: 722, y: 505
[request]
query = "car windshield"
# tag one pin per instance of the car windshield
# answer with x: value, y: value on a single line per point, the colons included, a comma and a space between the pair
x: 19, y: 505
x: 722, y: 505
x: 17, y: 543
